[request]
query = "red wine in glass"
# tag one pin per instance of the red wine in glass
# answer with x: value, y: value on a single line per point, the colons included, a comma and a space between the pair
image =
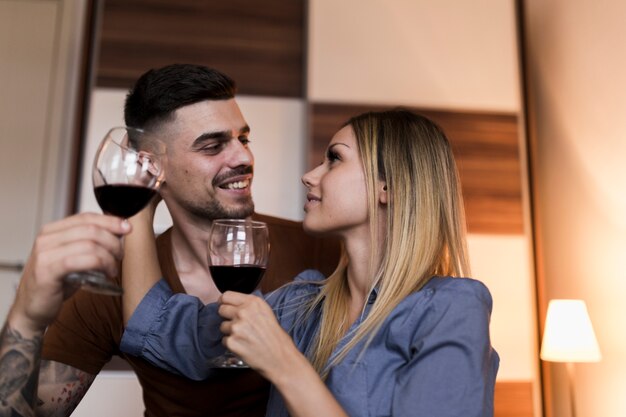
x: 123, y: 200
x: 127, y: 172
x: 238, y: 256
x: 240, y: 278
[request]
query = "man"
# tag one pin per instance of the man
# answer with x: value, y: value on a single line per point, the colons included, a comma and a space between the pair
x: 208, y: 175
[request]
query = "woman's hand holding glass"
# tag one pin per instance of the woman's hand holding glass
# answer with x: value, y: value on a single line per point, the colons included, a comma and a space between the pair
x: 252, y: 332
x: 238, y: 254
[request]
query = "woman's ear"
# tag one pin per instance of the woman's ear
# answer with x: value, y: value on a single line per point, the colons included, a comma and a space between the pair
x: 382, y: 194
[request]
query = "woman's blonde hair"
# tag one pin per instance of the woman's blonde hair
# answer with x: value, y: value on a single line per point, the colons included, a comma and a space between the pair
x: 425, y: 225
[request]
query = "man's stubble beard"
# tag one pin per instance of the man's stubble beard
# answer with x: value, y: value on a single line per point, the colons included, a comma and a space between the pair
x: 215, y: 210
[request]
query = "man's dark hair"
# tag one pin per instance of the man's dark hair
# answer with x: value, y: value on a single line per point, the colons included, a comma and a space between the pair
x: 159, y: 92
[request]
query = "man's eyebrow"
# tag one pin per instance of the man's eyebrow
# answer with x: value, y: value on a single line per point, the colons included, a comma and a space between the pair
x: 219, y: 135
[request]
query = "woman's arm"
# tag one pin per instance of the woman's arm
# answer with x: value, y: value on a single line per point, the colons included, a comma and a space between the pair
x: 177, y: 333
x: 184, y: 323
x: 140, y: 265
x: 251, y: 331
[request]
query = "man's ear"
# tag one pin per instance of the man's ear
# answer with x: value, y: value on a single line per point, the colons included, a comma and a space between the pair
x: 153, y: 164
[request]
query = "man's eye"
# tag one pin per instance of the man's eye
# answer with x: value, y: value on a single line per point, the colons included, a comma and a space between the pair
x: 212, y: 149
x: 244, y: 140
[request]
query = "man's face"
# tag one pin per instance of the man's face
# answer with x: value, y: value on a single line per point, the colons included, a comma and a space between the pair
x: 208, y: 172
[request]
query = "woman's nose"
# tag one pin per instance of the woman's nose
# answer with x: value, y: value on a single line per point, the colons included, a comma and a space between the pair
x: 311, y: 178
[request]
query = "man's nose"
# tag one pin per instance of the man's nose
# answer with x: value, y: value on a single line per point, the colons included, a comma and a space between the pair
x: 240, y: 154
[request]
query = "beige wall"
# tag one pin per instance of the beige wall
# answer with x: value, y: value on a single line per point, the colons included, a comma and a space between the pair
x: 26, y: 71
x: 577, y: 74
x: 38, y: 73
x: 449, y: 54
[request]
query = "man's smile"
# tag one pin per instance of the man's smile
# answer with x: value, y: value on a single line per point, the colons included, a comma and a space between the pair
x: 236, y: 185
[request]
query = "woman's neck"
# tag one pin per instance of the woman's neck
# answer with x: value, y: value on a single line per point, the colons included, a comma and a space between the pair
x: 359, y: 273
x: 362, y: 265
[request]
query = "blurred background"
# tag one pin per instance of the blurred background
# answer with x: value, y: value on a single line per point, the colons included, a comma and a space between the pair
x: 529, y: 92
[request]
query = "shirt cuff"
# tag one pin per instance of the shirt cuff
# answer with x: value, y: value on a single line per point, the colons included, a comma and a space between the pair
x: 134, y: 336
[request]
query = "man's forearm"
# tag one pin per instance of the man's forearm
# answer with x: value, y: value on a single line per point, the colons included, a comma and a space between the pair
x: 82, y: 242
x: 20, y: 359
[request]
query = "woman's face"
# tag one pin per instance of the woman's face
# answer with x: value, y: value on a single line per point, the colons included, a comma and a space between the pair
x: 337, y: 196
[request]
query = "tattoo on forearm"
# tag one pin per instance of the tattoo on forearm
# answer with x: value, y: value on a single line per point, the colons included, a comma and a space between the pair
x: 70, y: 385
x: 19, y: 372
x: 13, y: 373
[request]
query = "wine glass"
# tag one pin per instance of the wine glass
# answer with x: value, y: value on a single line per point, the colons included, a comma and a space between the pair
x: 127, y: 172
x: 238, y: 256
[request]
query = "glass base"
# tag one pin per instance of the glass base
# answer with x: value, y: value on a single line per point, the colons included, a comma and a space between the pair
x: 94, y: 281
x: 228, y: 360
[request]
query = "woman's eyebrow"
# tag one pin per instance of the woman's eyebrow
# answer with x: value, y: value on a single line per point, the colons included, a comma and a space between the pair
x: 337, y: 144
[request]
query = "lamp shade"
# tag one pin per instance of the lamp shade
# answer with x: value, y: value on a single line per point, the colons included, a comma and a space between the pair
x: 568, y: 335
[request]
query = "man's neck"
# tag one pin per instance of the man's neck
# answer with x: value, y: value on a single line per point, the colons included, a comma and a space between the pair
x: 189, y: 252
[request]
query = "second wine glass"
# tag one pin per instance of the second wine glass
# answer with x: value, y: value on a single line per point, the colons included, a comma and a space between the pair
x: 127, y: 172
x: 238, y: 257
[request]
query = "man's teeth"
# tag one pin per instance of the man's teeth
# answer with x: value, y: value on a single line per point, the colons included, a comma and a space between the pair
x: 237, y: 185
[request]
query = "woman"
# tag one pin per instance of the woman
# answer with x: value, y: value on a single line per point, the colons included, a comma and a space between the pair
x: 390, y: 332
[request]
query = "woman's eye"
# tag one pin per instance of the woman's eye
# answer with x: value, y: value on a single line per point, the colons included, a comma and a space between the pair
x: 332, y: 156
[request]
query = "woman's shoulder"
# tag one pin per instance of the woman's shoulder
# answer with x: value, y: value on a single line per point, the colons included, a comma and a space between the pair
x: 444, y: 303
x: 453, y: 289
x: 448, y: 296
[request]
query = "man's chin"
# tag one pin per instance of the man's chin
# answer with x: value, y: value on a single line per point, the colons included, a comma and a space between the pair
x: 214, y: 211
x: 240, y: 212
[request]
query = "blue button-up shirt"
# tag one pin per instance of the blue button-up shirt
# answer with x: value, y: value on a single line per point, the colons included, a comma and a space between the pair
x: 432, y: 356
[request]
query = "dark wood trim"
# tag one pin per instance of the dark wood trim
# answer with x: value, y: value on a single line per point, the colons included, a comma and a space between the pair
x: 529, y: 121
x: 486, y: 146
x: 90, y: 41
